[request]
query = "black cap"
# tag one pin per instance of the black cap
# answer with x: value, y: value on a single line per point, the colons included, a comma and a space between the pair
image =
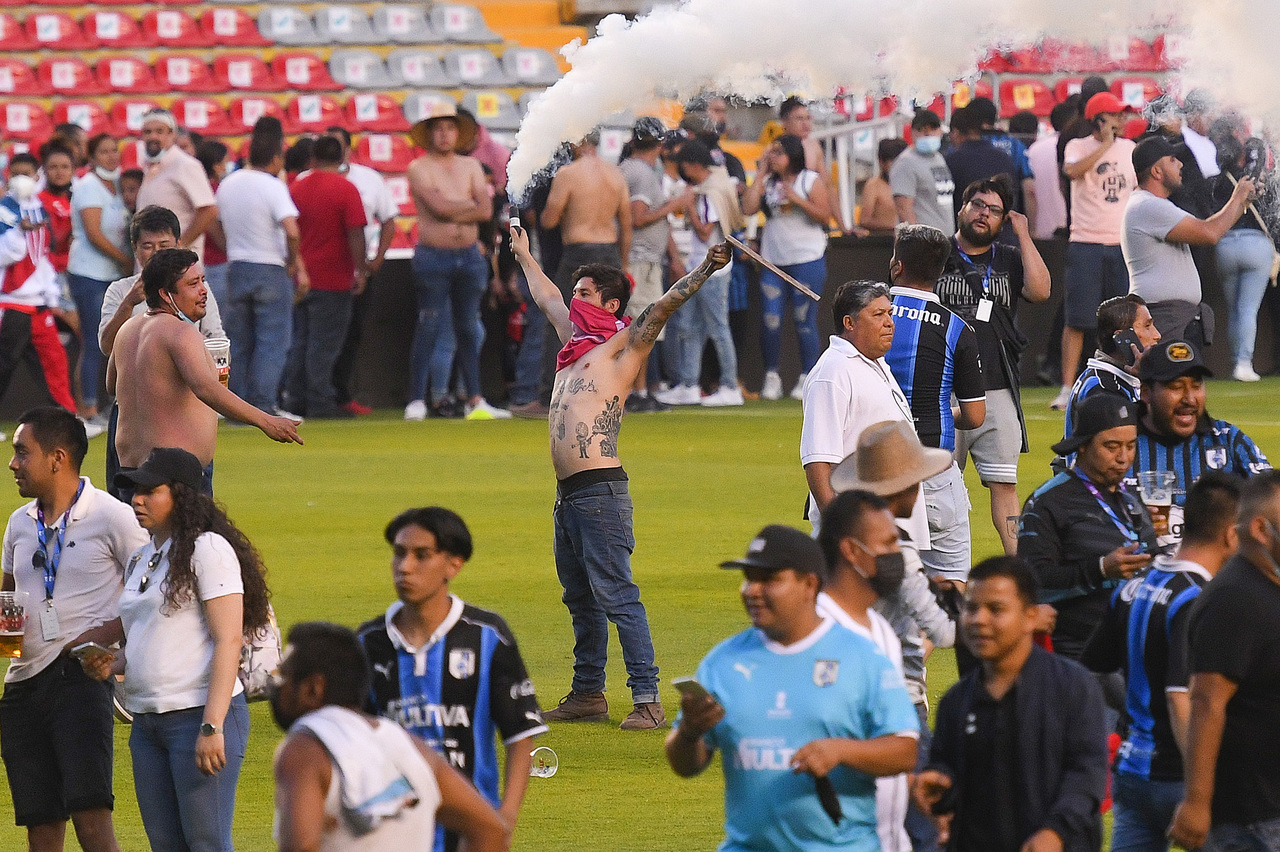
x: 1150, y: 151
x: 1170, y: 360
x: 1098, y: 413
x: 777, y: 548
x: 165, y: 466
x: 648, y: 130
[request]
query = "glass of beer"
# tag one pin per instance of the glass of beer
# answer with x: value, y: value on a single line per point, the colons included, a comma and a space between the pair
x: 220, y: 350
x: 13, y: 621
x: 1156, y: 488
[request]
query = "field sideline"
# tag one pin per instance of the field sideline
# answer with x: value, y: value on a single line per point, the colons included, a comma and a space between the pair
x: 703, y: 483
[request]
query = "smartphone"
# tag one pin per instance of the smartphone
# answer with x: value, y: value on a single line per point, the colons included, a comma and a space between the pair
x: 1255, y: 159
x: 1125, y: 341
x: 690, y: 686
x: 87, y: 650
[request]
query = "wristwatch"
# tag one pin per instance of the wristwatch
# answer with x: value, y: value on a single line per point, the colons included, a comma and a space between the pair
x: 208, y: 730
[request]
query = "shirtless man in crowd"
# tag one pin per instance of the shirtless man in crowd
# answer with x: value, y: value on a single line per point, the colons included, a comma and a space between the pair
x: 591, y: 206
x: 163, y: 377
x: 594, y: 374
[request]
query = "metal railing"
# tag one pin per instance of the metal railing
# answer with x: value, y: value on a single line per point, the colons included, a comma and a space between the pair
x: 849, y: 146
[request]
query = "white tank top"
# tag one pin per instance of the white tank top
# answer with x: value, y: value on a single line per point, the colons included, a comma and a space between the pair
x: 790, y: 236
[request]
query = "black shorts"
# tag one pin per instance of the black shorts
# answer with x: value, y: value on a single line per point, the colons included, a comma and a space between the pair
x: 56, y: 742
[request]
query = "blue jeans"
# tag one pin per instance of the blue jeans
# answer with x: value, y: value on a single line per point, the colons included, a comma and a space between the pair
x: 1256, y: 837
x: 259, y: 322
x: 216, y: 277
x: 1143, y: 811
x: 1244, y: 265
x: 445, y: 278
x: 920, y: 827
x: 775, y: 294
x: 708, y: 318
x: 184, y: 810
x: 88, y: 293
x: 529, y: 361
x: 320, y: 323
x: 593, y: 544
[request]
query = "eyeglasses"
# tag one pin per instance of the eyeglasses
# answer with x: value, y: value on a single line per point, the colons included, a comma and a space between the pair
x: 980, y: 206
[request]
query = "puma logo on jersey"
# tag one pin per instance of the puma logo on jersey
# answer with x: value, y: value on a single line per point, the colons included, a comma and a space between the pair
x: 744, y: 669
x: 383, y: 669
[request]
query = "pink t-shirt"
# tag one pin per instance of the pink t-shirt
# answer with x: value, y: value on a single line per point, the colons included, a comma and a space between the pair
x: 1098, y: 197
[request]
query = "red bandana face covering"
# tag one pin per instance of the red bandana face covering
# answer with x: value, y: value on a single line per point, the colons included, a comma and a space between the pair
x: 591, y: 327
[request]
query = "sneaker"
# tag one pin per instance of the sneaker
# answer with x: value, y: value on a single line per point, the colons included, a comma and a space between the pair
x: 1243, y: 372
x: 356, y: 409
x: 580, y: 707
x: 725, y: 396
x: 645, y: 717
x: 1060, y: 401
x: 416, y: 410
x: 91, y: 429
x: 797, y: 392
x: 680, y: 395
x: 288, y: 415
x: 531, y: 411
x: 448, y: 408
x: 772, y: 389
x: 637, y: 404
x: 482, y: 410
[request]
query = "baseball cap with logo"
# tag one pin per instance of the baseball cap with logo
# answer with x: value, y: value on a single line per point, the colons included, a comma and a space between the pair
x: 1170, y: 360
x: 778, y: 547
x: 1098, y: 413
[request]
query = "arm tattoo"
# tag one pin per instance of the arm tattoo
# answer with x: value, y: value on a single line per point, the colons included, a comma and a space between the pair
x: 645, y: 330
x: 607, y: 425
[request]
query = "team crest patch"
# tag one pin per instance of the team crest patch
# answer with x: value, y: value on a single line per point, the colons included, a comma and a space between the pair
x: 1179, y: 352
x: 462, y: 663
x: 825, y: 672
x: 1215, y: 458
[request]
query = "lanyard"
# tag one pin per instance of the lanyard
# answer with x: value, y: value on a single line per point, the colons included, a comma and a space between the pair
x: 48, y: 560
x: 1129, y: 533
x: 986, y: 278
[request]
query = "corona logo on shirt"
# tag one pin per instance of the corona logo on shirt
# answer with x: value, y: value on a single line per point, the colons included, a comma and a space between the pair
x: 764, y: 755
x: 917, y: 314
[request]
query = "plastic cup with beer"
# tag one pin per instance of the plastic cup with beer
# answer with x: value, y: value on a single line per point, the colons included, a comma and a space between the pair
x: 13, y: 621
x: 220, y: 350
x: 545, y: 762
x: 1156, y: 489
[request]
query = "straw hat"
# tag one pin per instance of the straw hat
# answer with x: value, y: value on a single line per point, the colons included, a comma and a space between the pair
x: 889, y: 459
x: 420, y: 133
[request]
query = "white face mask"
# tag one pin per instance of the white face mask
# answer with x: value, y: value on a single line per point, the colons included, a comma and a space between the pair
x: 108, y: 174
x: 928, y: 144
x: 23, y: 187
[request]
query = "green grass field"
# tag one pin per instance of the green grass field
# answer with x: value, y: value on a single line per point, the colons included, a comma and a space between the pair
x: 703, y: 483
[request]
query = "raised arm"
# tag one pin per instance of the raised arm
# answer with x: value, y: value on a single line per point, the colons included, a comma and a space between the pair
x: 544, y: 290
x: 643, y: 333
x: 1038, y: 284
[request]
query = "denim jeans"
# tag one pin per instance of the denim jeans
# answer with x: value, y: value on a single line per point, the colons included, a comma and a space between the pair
x: 1142, y: 811
x: 593, y: 544
x: 88, y: 293
x: 320, y: 323
x: 184, y: 810
x: 445, y: 278
x: 920, y: 827
x: 1256, y: 837
x: 775, y: 295
x: 708, y: 319
x: 216, y: 277
x: 1244, y: 265
x: 529, y: 361
x: 259, y: 322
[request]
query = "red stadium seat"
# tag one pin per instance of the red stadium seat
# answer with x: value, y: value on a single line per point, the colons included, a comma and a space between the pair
x: 302, y: 71
x: 1125, y: 53
x: 1073, y: 56
x: 173, y: 28
x: 869, y: 109
x: 126, y: 74
x: 1025, y: 94
x: 311, y: 114
x: 204, y: 115
x: 1166, y: 53
x: 1066, y: 87
x: 243, y: 71
x: 12, y: 35
x: 369, y: 111
x: 68, y: 75
x: 133, y: 154
x: 1029, y: 60
x: 126, y: 116
x: 13, y: 3
x: 16, y: 77
x: 398, y: 186
x: 56, y: 31
x: 231, y: 27
x: 244, y: 112
x: 20, y: 120
x: 185, y: 74
x: 86, y: 114
x: 114, y: 30
x: 406, y: 236
x: 994, y: 62
x: 383, y: 152
x: 962, y: 93
x: 1136, y: 92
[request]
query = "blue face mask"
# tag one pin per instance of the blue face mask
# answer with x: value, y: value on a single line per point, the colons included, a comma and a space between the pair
x: 181, y: 315
x: 928, y: 145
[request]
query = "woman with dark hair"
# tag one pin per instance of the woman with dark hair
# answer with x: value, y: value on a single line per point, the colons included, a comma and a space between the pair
x: 212, y: 154
x: 796, y: 202
x: 190, y: 595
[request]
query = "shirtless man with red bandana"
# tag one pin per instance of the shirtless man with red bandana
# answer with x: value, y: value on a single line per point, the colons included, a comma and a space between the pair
x: 593, y: 540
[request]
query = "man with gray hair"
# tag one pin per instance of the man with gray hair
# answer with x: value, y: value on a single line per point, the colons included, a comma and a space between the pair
x: 174, y: 179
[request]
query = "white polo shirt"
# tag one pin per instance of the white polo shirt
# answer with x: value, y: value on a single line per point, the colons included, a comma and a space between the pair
x: 100, y: 535
x: 845, y: 393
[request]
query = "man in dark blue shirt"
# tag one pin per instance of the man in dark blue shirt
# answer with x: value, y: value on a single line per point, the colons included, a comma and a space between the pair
x: 973, y: 158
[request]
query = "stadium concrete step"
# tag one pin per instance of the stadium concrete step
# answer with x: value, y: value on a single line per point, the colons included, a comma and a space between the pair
x: 519, y: 13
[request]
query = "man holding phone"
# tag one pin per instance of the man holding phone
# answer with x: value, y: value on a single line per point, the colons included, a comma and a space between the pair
x: 807, y: 713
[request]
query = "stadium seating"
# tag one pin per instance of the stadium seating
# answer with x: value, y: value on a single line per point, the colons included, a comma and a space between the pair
x: 56, y: 31
x: 383, y: 152
x: 243, y: 113
x: 417, y: 68
x: 25, y: 121
x: 181, y: 73
x: 460, y: 23
x: 86, y: 114
x: 288, y: 25
x: 1066, y: 87
x: 418, y: 105
x: 17, y: 77
x: 204, y: 115
x: 231, y: 28
x: 173, y: 28
x: 302, y: 71
x: 475, y: 67
x: 132, y: 154
x: 401, y: 24
x: 1018, y: 94
x: 125, y: 74
x: 245, y: 72
x: 343, y: 25
x: 398, y: 186
x: 359, y: 69
x: 375, y: 112
x: 12, y: 34
x: 311, y: 114
x: 530, y: 66
x: 494, y: 109
x: 1136, y: 92
x: 68, y: 75
x: 114, y: 29
x: 126, y: 115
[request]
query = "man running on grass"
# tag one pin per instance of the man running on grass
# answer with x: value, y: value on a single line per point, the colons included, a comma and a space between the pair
x: 593, y: 540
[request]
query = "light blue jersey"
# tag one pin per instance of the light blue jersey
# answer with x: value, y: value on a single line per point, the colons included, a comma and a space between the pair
x: 777, y: 699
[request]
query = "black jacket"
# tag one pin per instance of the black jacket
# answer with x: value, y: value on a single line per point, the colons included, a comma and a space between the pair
x: 1062, y: 748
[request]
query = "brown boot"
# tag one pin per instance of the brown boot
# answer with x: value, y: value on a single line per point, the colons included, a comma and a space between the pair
x: 580, y: 707
x: 645, y: 717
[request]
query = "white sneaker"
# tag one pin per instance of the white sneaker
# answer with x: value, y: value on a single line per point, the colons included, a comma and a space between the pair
x: 1060, y: 401
x: 797, y: 392
x: 91, y: 429
x: 725, y: 396
x: 772, y: 386
x: 416, y: 410
x: 482, y: 410
x: 288, y: 415
x: 1244, y: 372
x: 680, y: 395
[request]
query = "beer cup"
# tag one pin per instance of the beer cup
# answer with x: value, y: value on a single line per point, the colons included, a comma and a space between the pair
x: 13, y: 621
x: 545, y: 762
x: 1156, y: 490
x: 220, y: 350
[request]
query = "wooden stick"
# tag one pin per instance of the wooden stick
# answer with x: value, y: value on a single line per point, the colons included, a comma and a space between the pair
x: 746, y: 249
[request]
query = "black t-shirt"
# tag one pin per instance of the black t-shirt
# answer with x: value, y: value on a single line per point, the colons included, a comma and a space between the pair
x: 1233, y: 631
x: 989, y: 786
x: 1004, y: 286
x: 978, y: 160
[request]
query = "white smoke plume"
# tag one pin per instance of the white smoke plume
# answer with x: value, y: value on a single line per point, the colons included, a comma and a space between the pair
x: 771, y: 48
